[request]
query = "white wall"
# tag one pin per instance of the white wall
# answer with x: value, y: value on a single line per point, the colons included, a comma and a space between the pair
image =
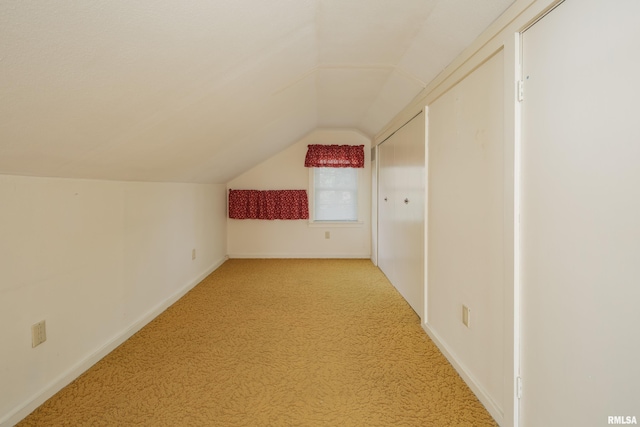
x: 466, y: 228
x: 298, y: 238
x: 97, y: 260
x: 581, y: 216
x: 475, y: 363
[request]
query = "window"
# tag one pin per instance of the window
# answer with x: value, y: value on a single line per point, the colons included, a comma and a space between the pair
x: 335, y: 180
x: 335, y: 194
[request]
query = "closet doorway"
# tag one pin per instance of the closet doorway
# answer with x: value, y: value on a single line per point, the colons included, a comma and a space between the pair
x: 401, y: 213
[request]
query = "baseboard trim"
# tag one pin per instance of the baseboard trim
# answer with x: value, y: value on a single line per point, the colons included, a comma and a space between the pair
x: 299, y: 255
x: 482, y: 395
x: 83, y: 365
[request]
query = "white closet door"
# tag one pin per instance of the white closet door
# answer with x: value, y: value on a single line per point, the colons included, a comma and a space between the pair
x: 386, y: 208
x: 409, y: 218
x: 580, y: 215
x: 401, y: 211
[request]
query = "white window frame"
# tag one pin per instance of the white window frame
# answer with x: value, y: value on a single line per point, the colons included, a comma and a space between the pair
x: 323, y: 223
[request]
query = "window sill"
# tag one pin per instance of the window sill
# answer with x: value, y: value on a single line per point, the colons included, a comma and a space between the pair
x: 336, y: 224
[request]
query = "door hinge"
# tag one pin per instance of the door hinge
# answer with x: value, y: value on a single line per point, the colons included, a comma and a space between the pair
x: 520, y: 91
x: 519, y: 387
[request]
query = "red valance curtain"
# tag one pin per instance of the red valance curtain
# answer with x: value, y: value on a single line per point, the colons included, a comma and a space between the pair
x: 334, y: 156
x: 268, y: 204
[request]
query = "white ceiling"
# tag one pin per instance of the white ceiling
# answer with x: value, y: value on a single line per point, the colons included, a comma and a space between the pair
x: 201, y: 90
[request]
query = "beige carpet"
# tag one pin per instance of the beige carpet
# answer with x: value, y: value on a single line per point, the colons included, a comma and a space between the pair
x: 274, y: 343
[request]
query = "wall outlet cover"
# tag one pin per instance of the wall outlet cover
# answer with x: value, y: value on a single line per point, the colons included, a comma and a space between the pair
x: 38, y: 333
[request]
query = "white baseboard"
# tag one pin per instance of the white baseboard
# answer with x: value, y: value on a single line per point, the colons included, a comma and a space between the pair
x: 299, y: 255
x: 482, y: 395
x: 83, y: 365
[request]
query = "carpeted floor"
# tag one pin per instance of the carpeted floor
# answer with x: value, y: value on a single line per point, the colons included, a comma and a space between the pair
x: 274, y: 343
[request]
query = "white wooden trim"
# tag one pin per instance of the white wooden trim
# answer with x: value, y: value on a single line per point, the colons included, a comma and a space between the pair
x: 517, y: 17
x: 83, y: 365
x: 474, y: 385
x: 297, y: 255
x: 503, y: 34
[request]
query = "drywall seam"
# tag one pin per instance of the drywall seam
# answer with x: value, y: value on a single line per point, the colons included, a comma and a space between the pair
x: 83, y: 365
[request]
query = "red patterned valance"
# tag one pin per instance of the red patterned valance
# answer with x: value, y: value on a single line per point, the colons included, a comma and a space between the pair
x: 269, y: 204
x: 334, y: 156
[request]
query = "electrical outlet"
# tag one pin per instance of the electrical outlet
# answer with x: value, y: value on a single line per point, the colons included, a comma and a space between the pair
x: 327, y: 234
x: 466, y: 315
x: 193, y: 254
x: 38, y: 333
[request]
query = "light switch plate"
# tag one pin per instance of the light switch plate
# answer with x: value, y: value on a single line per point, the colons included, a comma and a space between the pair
x: 466, y: 315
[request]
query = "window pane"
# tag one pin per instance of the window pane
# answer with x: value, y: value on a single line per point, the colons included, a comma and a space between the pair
x: 336, y: 194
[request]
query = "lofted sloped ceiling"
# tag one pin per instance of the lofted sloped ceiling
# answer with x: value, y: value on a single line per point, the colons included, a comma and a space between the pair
x: 201, y: 90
